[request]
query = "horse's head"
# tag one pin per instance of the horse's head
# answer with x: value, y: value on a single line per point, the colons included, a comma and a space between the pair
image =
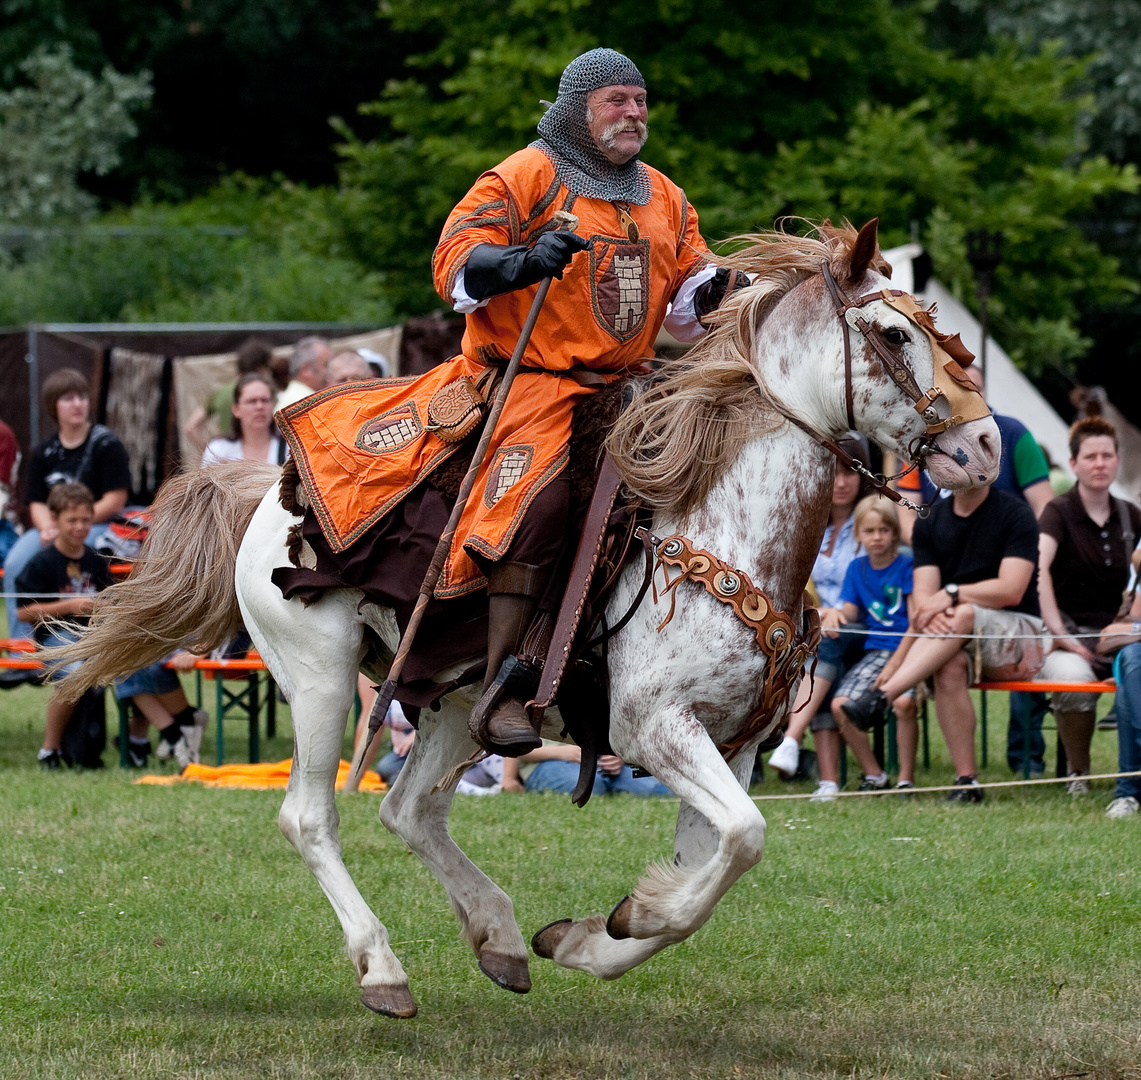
x: 900, y: 381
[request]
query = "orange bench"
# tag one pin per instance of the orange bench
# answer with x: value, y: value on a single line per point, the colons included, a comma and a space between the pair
x: 1108, y: 686
x: 247, y: 700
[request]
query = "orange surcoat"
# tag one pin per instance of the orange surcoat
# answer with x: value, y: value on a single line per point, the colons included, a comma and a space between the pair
x: 361, y: 448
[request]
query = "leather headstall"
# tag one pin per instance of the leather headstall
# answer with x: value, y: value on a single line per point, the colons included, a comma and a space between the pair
x: 949, y: 355
x: 774, y: 630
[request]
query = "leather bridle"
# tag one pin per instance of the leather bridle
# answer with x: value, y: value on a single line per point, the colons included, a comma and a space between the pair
x: 960, y: 408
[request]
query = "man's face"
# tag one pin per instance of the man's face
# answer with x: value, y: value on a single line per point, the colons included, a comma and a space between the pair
x: 616, y: 117
x: 314, y: 374
x: 348, y: 367
x: 1097, y: 462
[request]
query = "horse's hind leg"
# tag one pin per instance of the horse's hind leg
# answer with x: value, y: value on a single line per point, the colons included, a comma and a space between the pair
x: 314, y: 653
x: 418, y: 814
x: 720, y: 835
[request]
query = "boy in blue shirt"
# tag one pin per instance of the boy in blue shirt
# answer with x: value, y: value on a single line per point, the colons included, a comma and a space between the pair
x: 877, y: 590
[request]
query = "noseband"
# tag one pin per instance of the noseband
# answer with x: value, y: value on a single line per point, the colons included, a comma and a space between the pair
x: 960, y: 406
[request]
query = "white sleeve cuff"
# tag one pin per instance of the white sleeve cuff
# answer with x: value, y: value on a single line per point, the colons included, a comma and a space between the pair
x: 682, y: 322
x: 461, y: 302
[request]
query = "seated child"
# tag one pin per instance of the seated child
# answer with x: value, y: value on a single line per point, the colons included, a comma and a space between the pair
x: 877, y: 588
x: 71, y: 568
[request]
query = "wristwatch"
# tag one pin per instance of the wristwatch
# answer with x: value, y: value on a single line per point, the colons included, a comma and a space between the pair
x: 953, y: 592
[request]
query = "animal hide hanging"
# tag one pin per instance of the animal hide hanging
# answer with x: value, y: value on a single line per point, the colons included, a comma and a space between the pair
x: 134, y: 399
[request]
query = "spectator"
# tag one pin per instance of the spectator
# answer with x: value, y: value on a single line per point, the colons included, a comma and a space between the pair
x: 1024, y: 472
x: 158, y: 699
x: 254, y: 355
x: 81, y: 451
x: 72, y: 568
x: 1083, y: 567
x: 878, y: 590
x: 837, y: 651
x: 252, y: 435
x: 1127, y: 670
x: 348, y: 367
x: 307, y: 370
x: 556, y: 768
x: 403, y: 736
x: 9, y: 467
x: 976, y: 558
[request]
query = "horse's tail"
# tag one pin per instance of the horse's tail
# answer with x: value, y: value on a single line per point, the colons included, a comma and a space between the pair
x: 181, y: 592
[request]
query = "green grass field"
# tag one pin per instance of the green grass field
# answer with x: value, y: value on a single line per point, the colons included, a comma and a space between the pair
x: 152, y: 931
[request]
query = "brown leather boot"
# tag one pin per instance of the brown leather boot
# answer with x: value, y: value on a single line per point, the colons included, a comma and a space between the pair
x: 499, y: 721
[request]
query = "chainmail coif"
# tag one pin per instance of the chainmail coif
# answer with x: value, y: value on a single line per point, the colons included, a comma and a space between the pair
x: 579, y: 164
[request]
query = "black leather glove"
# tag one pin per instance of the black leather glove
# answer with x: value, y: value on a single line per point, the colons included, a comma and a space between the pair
x: 492, y: 269
x: 709, y: 296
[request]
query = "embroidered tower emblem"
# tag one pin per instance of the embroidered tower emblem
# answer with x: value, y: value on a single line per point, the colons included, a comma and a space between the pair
x: 508, y: 467
x: 391, y: 430
x: 621, y: 285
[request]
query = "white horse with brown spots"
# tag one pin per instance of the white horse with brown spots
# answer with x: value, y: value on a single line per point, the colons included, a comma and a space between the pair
x: 728, y: 453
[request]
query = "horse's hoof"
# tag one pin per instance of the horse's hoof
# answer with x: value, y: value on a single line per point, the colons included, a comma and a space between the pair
x: 618, y: 925
x: 550, y: 937
x: 505, y: 971
x: 394, y: 1001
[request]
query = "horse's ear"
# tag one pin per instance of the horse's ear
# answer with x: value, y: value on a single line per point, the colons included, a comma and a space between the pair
x: 864, y: 252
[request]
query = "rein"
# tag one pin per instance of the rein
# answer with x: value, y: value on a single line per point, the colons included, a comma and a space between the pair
x: 902, y: 376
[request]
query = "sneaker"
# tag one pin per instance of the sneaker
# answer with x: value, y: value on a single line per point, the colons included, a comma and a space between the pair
x: 903, y: 789
x: 786, y: 757
x: 1108, y: 722
x: 826, y: 791
x: 874, y: 783
x: 49, y: 759
x: 972, y: 792
x: 1078, y: 784
x: 180, y: 751
x: 1126, y: 806
x: 194, y: 732
x: 867, y: 711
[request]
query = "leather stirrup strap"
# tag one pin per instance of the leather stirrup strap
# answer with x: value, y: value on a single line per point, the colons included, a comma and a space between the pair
x: 578, y: 588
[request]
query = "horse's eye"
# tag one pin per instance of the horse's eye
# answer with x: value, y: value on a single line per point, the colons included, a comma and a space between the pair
x: 894, y: 336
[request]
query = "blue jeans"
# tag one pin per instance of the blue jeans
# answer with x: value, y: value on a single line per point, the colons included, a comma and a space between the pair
x: 1127, y: 672
x: 562, y: 776
x: 21, y: 554
x: 390, y: 765
x: 1026, y: 712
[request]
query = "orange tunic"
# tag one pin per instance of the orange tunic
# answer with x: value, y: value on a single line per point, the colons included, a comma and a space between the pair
x: 362, y: 449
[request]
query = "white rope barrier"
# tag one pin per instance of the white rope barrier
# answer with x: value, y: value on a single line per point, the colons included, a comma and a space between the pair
x: 947, y: 787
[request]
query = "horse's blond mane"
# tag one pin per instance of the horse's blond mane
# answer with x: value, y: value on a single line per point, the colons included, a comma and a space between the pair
x: 673, y: 444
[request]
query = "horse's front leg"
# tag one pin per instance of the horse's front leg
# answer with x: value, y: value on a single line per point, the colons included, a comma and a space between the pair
x: 418, y: 813
x: 720, y: 834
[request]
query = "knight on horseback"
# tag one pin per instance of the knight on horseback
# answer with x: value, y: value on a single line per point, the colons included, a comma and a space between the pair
x: 366, y: 455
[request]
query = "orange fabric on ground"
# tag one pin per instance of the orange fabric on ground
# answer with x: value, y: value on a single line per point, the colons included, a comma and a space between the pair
x: 269, y: 774
x: 359, y: 451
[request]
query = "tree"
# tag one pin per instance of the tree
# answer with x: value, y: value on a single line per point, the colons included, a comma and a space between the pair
x: 63, y: 123
x: 758, y: 110
x: 239, y: 85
